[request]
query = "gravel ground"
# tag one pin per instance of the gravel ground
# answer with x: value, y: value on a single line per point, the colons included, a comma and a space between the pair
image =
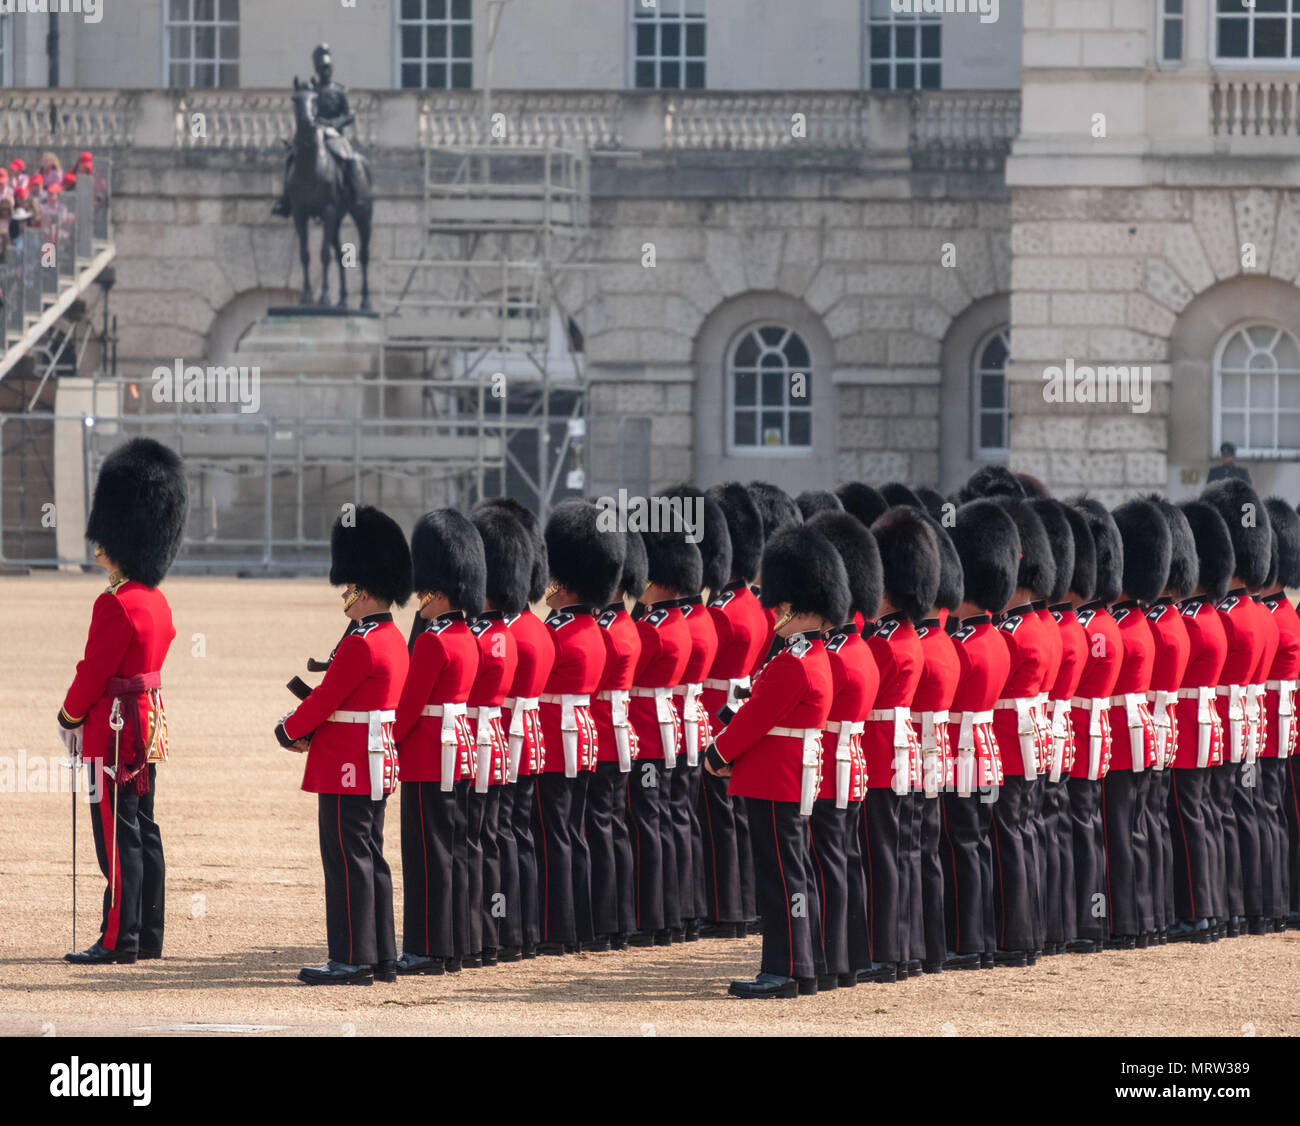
x: 245, y: 905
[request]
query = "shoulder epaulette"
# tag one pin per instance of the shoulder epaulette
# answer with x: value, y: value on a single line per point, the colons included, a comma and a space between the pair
x: 1228, y: 603
x: 686, y: 609
x: 1085, y: 616
x: 1156, y: 613
x: 656, y: 618
x: 1057, y: 616
x: 922, y: 631
x: 559, y: 620
x: 1119, y: 615
x: 720, y: 600
x: 964, y: 634
x: 364, y: 628
x: 799, y: 648
x: 607, y: 619
x: 834, y: 644
x: 480, y: 627
x: 887, y: 629
x: 1192, y: 609
x: 1011, y: 624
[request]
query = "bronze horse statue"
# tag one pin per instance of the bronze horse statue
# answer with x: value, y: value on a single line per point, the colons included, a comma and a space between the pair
x: 321, y: 186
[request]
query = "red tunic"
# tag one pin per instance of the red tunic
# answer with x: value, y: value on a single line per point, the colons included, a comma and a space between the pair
x: 366, y: 674
x: 1245, y: 644
x: 1200, y: 730
x: 444, y: 663
x: 983, y: 665
x: 769, y: 635
x: 1032, y: 644
x: 889, y: 741
x: 497, y: 659
x: 579, y: 665
x: 792, y: 691
x: 704, y: 651
x: 1173, y: 649
x: 1133, y: 739
x: 1282, y: 677
x: 1074, y: 657
x: 741, y: 625
x: 130, y: 632
x: 1091, y: 724
x: 622, y: 648
x: 931, y: 704
x: 536, y: 652
x: 1268, y: 630
x: 665, y: 649
x: 854, y: 684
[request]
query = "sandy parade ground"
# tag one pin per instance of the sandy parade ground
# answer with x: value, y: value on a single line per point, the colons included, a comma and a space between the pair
x: 245, y: 906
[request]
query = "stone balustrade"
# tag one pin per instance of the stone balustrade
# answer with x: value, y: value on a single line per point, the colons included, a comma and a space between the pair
x: 1255, y: 105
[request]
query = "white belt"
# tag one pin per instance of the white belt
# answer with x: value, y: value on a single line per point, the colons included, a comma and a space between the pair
x: 1060, y: 735
x: 1236, y: 694
x: 1162, y: 700
x: 732, y: 688
x: 1254, y: 720
x: 965, y: 766
x: 666, y: 717
x: 843, y: 730
x: 1132, y: 703
x: 1205, y: 719
x: 618, y: 701
x: 483, y: 745
x: 450, y: 713
x: 1096, y: 707
x: 901, y: 719
x: 811, y: 760
x: 1026, y: 730
x: 568, y: 703
x: 930, y: 748
x: 375, y: 748
x: 518, y: 705
x: 690, y: 694
x: 1286, y: 690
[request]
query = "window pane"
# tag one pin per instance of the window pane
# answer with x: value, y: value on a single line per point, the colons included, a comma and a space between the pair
x: 229, y: 75
x: 747, y: 352
x: 230, y: 43
x: 1289, y: 392
x: 178, y: 10
x: 773, y: 427
x: 1233, y: 391
x: 746, y: 428
x: 905, y: 42
x: 995, y: 353
x: 774, y: 388
x: 1236, y: 353
x: 880, y: 77
x: 1288, y: 431
x: 436, y: 76
x: 645, y: 40
x: 411, y: 43
x: 670, y: 75
x: 461, y: 76
x: 801, y: 428
x: 1270, y: 39
x: 992, y: 391
x: 905, y: 77
x: 229, y: 10
x: 178, y: 42
x: 695, y: 40
x: 772, y: 336
x: 436, y: 9
x: 1287, y: 351
x: 205, y: 75
x: 178, y: 75
x: 461, y: 41
x: 796, y: 352
x: 645, y: 75
x: 1262, y: 336
x: 461, y: 9
x: 435, y: 41
x: 880, y: 42
x: 670, y: 39
x: 411, y: 9
x: 1173, y: 7
x: 1232, y: 428
x: 205, y: 42
x: 1232, y: 38
x: 746, y: 388
x: 991, y: 432
x: 411, y: 77
x: 1261, y: 430
x: 1173, y: 40
x: 205, y: 10
x: 930, y: 77
x: 930, y: 42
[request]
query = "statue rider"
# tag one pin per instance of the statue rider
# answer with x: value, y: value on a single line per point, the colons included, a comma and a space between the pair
x: 333, y: 114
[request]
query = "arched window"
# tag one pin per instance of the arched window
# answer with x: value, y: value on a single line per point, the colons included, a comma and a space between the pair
x: 1257, y: 391
x: 990, y: 414
x: 769, y: 392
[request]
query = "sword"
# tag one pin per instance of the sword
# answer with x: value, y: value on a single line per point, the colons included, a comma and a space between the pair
x: 74, y: 766
x: 116, y: 722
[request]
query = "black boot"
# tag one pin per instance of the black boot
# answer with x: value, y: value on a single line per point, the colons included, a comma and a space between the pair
x: 412, y: 964
x: 765, y: 985
x: 99, y: 955
x: 336, y: 973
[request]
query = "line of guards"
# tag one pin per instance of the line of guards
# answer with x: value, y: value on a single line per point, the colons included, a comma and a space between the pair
x: 895, y: 733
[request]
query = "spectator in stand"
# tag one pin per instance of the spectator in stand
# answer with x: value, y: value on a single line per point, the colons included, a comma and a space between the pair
x: 85, y: 165
x: 51, y: 169
x: 6, y: 217
x: 35, y: 209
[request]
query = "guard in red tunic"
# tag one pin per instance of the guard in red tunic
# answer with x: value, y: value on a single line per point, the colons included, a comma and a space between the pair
x: 1194, y: 825
x: 508, y: 556
x: 1257, y: 906
x: 613, y: 872
x: 1126, y: 788
x: 346, y: 727
x: 525, y: 750
x: 1024, y: 742
x: 838, y: 872
x: 112, y: 716
x: 674, y: 566
x: 1279, y: 708
x: 1090, y: 724
x: 988, y: 545
x: 586, y: 563
x: 435, y: 742
x: 909, y: 556
x: 778, y: 510
x: 741, y: 626
x: 771, y: 751
x: 1232, y: 786
x: 688, y: 697
x: 1173, y: 649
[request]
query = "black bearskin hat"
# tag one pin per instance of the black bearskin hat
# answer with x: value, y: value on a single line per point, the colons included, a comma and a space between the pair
x: 1247, y: 521
x: 990, y: 481
x: 897, y: 493
x: 909, y: 561
x: 368, y: 548
x: 817, y: 500
x: 539, y: 569
x: 1110, y: 548
x: 635, y: 567
x: 1270, y: 581
x: 1147, y: 549
x: 1033, y: 487
x: 933, y: 501
x: 1037, y: 566
x: 744, y: 526
x: 1216, y: 563
x: 802, y: 567
x: 674, y: 562
x: 860, y: 556
x: 988, y: 545
x: 714, y: 540
x: 862, y: 501
x: 1184, y: 569
x: 1084, y: 581
x: 447, y: 555
x: 582, y: 557
x: 1060, y: 539
x: 1287, y: 526
x: 138, y: 512
x: 951, y: 580
x: 775, y: 506
x: 508, y: 552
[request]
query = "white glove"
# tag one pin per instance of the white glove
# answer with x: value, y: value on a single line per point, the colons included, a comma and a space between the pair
x: 72, y: 739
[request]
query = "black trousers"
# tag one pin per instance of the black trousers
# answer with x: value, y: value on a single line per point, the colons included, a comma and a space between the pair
x: 1272, y: 793
x: 858, y: 898
x: 1223, y: 785
x: 880, y: 849
x: 613, y: 876
x: 460, y: 875
x: 475, y: 813
x: 509, y: 916
x: 526, y: 848
x: 1245, y: 798
x: 553, y: 832
x: 681, y: 796
x: 1088, y: 839
x: 1034, y: 836
x: 745, y: 855
x: 963, y: 894
x: 358, y: 884
x: 785, y: 894
x: 1124, y: 796
x: 721, y: 852
x: 1060, y: 905
x: 129, y: 848
x: 829, y: 832
x: 911, y: 898
x: 582, y: 917
x: 486, y: 809
x: 1013, y: 875
x: 1162, y: 785
x: 700, y: 904
x: 428, y: 844
x: 669, y: 838
x: 932, y: 880
x: 1193, y: 878
x: 644, y: 815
